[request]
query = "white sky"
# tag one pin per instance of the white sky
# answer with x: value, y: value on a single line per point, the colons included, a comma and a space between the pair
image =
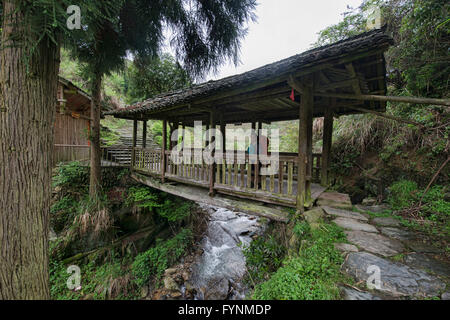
x: 284, y: 28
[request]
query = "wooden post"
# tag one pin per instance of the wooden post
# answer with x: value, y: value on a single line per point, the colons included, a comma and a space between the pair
x: 306, y: 105
x: 223, y: 129
x: 212, y: 167
x: 224, y: 164
x: 170, y: 135
x: 144, y: 134
x: 326, y: 146
x: 163, y: 151
x: 133, y: 149
x: 309, y: 164
x: 258, y: 150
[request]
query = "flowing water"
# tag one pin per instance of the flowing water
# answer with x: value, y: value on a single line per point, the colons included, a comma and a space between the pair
x: 218, y: 272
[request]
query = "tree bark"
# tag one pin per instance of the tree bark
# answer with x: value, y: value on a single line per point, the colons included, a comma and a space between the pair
x: 28, y: 90
x: 95, y: 174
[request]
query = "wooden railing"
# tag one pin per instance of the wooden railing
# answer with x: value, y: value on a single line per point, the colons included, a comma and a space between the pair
x: 237, y: 174
x: 146, y: 160
x: 189, y: 167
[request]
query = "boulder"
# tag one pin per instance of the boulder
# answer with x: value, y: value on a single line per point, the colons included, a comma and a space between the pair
x: 170, y: 271
x: 344, y: 213
x: 217, y: 290
x: 170, y: 284
x: 314, y: 215
x: 396, y: 279
x: 354, y: 225
x: 445, y: 296
x: 375, y: 243
x: 369, y: 201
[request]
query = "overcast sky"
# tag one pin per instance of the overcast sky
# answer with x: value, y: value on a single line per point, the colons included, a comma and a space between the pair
x: 284, y: 28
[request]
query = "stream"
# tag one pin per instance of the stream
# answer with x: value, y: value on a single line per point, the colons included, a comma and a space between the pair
x: 218, y: 272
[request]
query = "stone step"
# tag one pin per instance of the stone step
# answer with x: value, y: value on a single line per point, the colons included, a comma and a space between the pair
x: 344, y: 213
x: 386, y: 221
x: 375, y: 243
x: 354, y: 225
x: 335, y: 200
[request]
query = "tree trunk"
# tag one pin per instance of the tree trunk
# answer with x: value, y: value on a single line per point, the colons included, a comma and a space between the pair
x: 95, y: 176
x: 27, y: 111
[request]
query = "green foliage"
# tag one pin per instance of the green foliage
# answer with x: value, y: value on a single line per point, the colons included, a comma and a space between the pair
x: 205, y: 34
x: 313, y: 273
x: 263, y: 256
x: 156, y: 130
x: 142, y: 197
x: 422, y: 47
x: 108, y: 137
x: 71, y: 175
x: 62, y: 212
x: 174, y: 210
x: 435, y: 203
x: 157, y: 259
x: 110, y: 280
x: 403, y: 194
x: 170, y: 208
x: 148, y: 77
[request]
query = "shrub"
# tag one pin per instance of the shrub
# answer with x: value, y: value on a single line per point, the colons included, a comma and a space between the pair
x: 153, y: 262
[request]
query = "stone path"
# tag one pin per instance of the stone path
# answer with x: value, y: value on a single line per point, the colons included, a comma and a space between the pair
x: 406, y: 265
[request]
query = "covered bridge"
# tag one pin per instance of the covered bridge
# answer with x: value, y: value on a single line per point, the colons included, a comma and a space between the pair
x: 343, y: 78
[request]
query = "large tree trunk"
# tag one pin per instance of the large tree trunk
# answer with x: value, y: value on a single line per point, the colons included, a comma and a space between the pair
x: 95, y: 177
x: 27, y: 110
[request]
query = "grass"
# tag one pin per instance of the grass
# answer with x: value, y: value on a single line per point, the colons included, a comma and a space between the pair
x: 311, y: 274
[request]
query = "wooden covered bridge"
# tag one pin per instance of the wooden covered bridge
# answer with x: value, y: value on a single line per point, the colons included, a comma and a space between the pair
x: 343, y: 78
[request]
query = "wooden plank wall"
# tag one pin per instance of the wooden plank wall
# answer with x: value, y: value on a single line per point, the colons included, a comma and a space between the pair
x: 71, y: 141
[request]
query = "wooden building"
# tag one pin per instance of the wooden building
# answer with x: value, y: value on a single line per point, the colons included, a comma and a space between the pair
x: 343, y: 78
x: 71, y: 123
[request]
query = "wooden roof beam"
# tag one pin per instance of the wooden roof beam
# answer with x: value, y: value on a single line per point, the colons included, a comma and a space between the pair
x: 371, y: 97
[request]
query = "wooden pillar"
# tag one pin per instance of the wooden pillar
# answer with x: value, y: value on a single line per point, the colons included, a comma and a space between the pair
x: 144, y: 134
x: 170, y: 135
x: 212, y: 167
x: 326, y: 146
x: 222, y: 130
x: 258, y: 150
x: 304, y: 148
x: 133, y: 151
x: 163, y: 151
x: 309, y: 164
x: 222, y: 150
